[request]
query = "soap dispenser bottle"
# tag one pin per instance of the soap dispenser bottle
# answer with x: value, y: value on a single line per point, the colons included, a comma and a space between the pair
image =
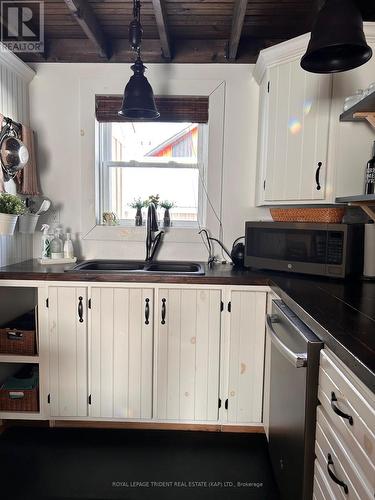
x: 68, y: 247
x: 46, y: 242
x: 57, y: 246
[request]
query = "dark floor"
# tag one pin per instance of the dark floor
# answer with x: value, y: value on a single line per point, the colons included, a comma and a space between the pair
x: 92, y: 464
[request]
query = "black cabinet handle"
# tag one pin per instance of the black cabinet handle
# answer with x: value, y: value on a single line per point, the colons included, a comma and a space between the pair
x: 163, y: 311
x: 333, y: 476
x: 14, y: 335
x: 80, y: 309
x: 317, y: 174
x: 147, y: 312
x: 338, y: 411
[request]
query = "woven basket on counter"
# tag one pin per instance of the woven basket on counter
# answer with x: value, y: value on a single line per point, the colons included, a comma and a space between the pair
x: 326, y: 215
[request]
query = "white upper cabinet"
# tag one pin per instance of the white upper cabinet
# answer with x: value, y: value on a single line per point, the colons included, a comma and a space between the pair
x: 294, y: 128
x: 188, y: 354
x: 301, y: 140
x: 297, y: 134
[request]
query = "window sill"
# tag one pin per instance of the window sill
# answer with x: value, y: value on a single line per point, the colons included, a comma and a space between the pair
x: 131, y: 233
x: 129, y: 223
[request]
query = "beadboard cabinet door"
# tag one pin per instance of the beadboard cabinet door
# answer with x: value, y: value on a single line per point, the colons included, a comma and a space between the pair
x: 67, y: 327
x: 246, y: 356
x: 121, y: 353
x: 293, y: 138
x: 188, y: 354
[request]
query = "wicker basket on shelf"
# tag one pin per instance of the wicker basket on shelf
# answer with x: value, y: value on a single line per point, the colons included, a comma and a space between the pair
x: 19, y: 336
x: 332, y: 215
x: 20, y: 392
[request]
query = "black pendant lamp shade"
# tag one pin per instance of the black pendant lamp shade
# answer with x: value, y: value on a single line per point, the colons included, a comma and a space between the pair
x: 337, y: 39
x: 138, y: 102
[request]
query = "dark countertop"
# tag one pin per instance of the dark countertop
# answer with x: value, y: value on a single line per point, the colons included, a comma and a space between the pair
x: 341, y: 313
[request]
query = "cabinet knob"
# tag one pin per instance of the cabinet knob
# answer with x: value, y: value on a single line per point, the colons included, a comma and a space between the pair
x: 338, y: 411
x: 80, y: 309
x: 317, y: 176
x: 333, y: 476
x: 147, y: 311
x: 163, y: 311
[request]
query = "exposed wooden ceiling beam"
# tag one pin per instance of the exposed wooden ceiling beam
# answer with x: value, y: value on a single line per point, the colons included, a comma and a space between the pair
x: 86, y: 18
x: 161, y: 22
x: 184, y: 51
x: 237, y: 24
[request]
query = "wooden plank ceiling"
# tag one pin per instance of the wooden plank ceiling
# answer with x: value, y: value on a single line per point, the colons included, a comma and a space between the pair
x: 190, y: 31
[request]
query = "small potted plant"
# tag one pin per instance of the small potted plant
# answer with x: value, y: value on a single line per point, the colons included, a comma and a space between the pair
x: 167, y: 205
x: 11, y: 207
x: 153, y: 198
x: 110, y: 219
x: 138, y: 204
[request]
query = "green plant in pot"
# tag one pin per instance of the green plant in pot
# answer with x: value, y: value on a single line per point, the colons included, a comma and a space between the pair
x: 138, y: 204
x: 167, y: 205
x: 153, y: 198
x: 11, y: 207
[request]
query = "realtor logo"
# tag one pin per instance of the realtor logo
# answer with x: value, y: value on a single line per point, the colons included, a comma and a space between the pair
x: 22, y: 26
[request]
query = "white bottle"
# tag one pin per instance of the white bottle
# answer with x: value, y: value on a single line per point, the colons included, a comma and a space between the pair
x: 68, y: 247
x: 46, y: 243
x: 57, y: 246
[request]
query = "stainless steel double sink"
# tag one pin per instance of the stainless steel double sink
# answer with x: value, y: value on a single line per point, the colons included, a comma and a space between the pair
x: 139, y: 266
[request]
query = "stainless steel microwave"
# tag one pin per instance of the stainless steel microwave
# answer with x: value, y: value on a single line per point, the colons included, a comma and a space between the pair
x: 334, y: 250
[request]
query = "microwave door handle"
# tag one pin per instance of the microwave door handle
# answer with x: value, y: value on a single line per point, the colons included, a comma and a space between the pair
x: 299, y: 360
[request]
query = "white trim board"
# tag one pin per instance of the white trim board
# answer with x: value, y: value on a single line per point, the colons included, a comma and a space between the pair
x: 215, y: 89
x: 15, y: 64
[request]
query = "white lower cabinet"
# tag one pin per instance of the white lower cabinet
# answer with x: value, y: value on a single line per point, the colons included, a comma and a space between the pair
x: 188, y: 354
x: 173, y: 353
x: 121, y: 351
x: 246, y: 356
x: 67, y: 332
x: 345, y: 434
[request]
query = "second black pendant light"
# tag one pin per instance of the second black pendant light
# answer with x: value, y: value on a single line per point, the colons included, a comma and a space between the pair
x: 337, y: 39
x: 138, y: 102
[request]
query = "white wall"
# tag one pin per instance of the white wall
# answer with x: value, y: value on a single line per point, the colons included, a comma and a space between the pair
x: 14, y: 103
x: 55, y: 109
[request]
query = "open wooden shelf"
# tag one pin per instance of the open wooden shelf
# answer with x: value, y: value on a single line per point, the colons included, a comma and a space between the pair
x: 20, y: 415
x: 365, y: 201
x: 363, y: 110
x: 17, y: 358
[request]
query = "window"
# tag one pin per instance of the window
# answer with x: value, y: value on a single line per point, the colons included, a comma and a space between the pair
x: 140, y: 159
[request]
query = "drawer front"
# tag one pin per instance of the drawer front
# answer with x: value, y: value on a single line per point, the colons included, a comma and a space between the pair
x: 337, y: 392
x: 334, y: 456
x: 322, y: 490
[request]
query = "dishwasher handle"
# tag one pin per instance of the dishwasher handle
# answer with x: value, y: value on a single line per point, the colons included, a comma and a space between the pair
x: 299, y: 360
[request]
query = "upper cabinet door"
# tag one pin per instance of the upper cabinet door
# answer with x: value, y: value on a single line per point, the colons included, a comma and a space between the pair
x: 67, y: 326
x: 246, y: 356
x: 294, y: 134
x: 121, y: 353
x: 188, y: 354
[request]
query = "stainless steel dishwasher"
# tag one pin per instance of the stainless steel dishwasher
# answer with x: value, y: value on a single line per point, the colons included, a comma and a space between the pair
x: 293, y: 400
